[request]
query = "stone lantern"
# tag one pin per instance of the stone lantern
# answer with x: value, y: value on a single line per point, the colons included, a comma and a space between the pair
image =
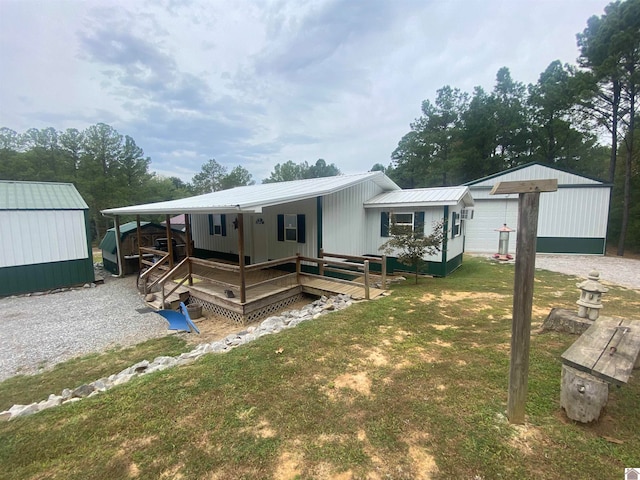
x: 590, y: 301
x: 503, y: 243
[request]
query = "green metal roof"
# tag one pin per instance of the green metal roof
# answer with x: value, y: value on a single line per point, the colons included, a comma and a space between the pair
x: 40, y: 196
x: 108, y: 243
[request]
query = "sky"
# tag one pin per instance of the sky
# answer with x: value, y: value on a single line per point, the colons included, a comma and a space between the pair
x: 256, y: 83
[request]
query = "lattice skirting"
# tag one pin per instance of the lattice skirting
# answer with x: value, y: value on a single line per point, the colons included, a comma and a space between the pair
x: 237, y: 317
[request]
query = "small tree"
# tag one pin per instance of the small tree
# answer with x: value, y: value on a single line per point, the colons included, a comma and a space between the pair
x: 411, y: 245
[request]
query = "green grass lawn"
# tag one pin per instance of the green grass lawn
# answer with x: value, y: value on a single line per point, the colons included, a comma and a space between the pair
x: 413, y: 385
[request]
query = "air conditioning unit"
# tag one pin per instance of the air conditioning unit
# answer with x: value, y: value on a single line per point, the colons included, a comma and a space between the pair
x: 466, y: 214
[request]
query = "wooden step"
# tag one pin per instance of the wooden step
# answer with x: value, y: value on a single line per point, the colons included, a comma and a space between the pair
x: 170, y: 303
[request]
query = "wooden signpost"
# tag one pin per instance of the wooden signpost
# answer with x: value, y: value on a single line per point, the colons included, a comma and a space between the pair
x: 528, y: 203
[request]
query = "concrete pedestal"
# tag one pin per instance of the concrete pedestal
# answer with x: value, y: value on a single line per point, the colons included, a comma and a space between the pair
x: 582, y: 395
x: 562, y: 320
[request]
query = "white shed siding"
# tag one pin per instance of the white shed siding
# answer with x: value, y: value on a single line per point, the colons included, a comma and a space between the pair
x: 574, y: 212
x: 537, y: 172
x: 344, y: 220
x: 489, y: 215
x: 455, y: 246
x: 42, y: 236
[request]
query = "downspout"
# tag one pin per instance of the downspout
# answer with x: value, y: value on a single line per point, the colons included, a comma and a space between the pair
x: 119, y: 248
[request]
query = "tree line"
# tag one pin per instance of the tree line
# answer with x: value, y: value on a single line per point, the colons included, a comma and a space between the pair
x: 110, y: 170
x: 557, y: 121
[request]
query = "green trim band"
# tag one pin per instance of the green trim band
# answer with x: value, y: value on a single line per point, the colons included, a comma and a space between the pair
x: 45, y: 276
x: 589, y: 246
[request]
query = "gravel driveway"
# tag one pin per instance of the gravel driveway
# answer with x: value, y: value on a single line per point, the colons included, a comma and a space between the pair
x: 613, y: 270
x: 40, y: 331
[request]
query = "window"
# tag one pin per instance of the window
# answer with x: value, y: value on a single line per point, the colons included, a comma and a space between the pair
x: 405, y: 221
x: 218, y: 225
x: 291, y: 228
x: 455, y: 225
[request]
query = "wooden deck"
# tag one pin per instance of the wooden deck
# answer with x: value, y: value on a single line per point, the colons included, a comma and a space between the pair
x: 245, y: 295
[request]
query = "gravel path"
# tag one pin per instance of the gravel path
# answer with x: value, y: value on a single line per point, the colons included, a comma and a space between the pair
x: 40, y: 331
x: 613, y: 270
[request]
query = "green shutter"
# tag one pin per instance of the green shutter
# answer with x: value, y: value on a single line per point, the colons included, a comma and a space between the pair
x: 210, y: 224
x: 384, y: 224
x: 281, y: 228
x: 302, y: 234
x: 223, y: 222
x: 418, y: 222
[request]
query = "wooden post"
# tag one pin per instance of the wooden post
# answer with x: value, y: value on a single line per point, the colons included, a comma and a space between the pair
x: 528, y: 203
x: 139, y: 237
x: 188, y: 247
x: 169, y: 240
x: 243, y: 279
x: 384, y: 272
x: 321, y: 263
x: 119, y: 253
x: 367, y: 295
x: 298, y: 268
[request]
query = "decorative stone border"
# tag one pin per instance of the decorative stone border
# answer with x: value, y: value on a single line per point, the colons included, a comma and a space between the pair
x: 271, y: 325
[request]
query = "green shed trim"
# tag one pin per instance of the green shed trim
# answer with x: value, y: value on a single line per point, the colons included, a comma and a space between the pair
x: 589, y: 246
x: 45, y: 276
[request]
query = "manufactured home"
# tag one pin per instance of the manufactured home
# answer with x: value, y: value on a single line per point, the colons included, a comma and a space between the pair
x: 45, y: 232
x: 572, y: 219
x: 347, y: 215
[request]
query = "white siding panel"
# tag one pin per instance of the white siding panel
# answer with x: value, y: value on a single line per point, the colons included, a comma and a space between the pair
x: 344, y: 222
x: 489, y: 215
x: 431, y: 216
x: 574, y: 212
x: 229, y: 243
x: 42, y: 236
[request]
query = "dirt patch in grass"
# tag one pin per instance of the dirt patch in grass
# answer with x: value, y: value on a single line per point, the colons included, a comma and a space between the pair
x: 358, y: 382
x: 288, y: 465
x: 526, y: 439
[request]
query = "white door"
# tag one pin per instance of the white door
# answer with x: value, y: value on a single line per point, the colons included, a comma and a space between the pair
x: 259, y: 239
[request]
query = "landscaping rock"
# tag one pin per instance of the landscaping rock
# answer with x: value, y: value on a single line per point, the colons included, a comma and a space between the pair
x: 271, y: 325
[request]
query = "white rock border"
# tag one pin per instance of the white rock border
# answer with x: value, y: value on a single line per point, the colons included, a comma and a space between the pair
x: 269, y: 326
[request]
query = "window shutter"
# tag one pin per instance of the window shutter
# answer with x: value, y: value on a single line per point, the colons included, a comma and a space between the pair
x: 210, y: 224
x: 281, y: 228
x: 384, y: 224
x: 302, y: 237
x: 223, y: 222
x: 418, y: 222
x: 453, y: 224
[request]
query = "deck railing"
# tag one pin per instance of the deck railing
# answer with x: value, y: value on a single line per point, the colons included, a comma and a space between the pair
x: 185, y: 272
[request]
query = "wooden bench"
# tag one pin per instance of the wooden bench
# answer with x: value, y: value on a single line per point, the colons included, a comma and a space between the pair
x: 605, y: 354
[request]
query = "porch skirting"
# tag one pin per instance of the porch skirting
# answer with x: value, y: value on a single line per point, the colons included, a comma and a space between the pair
x: 248, y: 313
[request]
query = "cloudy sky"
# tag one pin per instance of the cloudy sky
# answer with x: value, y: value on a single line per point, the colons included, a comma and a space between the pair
x: 255, y: 83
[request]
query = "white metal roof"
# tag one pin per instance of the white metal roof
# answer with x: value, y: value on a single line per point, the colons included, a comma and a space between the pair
x: 254, y: 198
x: 422, y: 197
x: 533, y: 171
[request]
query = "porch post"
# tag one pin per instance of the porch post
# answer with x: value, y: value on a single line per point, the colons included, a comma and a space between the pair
x: 367, y: 295
x: 321, y: 262
x: 119, y: 255
x: 139, y: 236
x: 187, y: 230
x: 243, y: 280
x: 383, y: 272
x: 167, y: 220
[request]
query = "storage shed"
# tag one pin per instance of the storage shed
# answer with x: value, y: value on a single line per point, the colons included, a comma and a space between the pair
x: 45, y: 237
x: 151, y: 234
x: 571, y: 220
